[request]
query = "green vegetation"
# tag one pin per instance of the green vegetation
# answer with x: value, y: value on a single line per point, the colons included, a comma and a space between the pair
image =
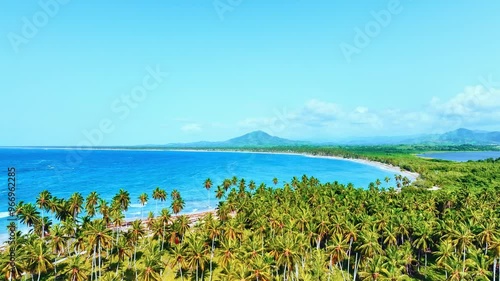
x: 433, y: 172
x: 303, y: 230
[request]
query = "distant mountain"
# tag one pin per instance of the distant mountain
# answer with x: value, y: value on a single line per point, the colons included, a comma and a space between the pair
x: 262, y: 139
x: 253, y: 139
x: 456, y: 137
x: 460, y: 136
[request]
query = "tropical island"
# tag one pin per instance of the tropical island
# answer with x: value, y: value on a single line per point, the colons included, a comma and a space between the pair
x: 441, y: 226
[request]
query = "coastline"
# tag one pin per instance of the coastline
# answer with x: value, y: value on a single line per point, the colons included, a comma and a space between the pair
x: 197, y: 215
x: 383, y: 166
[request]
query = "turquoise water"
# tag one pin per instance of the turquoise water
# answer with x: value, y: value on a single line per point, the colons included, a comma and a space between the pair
x: 63, y: 172
x: 462, y: 156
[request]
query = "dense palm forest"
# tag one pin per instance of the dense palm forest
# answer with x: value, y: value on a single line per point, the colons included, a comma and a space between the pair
x: 300, y: 230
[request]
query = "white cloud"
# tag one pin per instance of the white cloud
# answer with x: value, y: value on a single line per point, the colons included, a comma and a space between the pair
x: 476, y: 107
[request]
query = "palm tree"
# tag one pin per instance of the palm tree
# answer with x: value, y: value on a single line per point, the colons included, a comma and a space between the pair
x: 143, y: 199
x: 285, y: 250
x: 239, y: 271
x: 375, y: 269
x: 39, y: 257
x: 369, y: 246
x: 480, y: 264
x: 117, y: 218
x: 104, y: 210
x: 122, y: 198
x: 43, y: 202
x: 423, y: 233
x: 208, y: 185
x: 60, y: 207
x: 177, y: 205
x: 164, y: 219
x: 337, y: 249
x: 57, y: 240
x: 133, y: 235
x: 226, y: 184
x: 159, y: 194
x: 91, y: 202
x: 219, y: 193
x: 211, y: 226
x: 275, y: 181
x: 178, y: 258
x: 77, y: 269
x: 121, y: 250
x: 251, y: 185
x: 175, y: 194
x: 75, y: 204
x: 196, y: 253
x: 152, y: 266
x: 11, y: 269
x: 444, y: 254
x: 260, y: 268
x: 179, y: 227
x: 488, y: 233
x: 27, y: 214
x: 99, y: 237
x: 234, y: 180
x: 462, y: 237
x: 387, y: 179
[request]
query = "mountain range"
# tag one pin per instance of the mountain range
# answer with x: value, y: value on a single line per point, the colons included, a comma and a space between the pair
x: 253, y: 139
x: 263, y: 139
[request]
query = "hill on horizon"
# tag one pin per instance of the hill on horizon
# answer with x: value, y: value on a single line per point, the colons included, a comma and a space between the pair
x: 262, y: 139
x: 252, y: 139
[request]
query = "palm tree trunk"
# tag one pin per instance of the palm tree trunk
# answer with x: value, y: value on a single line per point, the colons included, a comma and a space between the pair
x: 180, y: 270
x: 135, y: 258
x: 196, y: 271
x: 330, y: 267
x: 39, y: 273
x: 100, y: 273
x: 494, y: 268
x: 356, y: 264
x: 93, y: 265
x: 463, y: 267
x: 349, y: 256
x: 163, y: 236
x: 284, y: 273
x: 43, y: 226
x: 211, y: 257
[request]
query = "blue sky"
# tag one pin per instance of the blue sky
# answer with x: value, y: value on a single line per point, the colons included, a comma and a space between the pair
x: 76, y: 72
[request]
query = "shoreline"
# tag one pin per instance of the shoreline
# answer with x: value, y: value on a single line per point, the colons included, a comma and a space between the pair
x: 383, y: 166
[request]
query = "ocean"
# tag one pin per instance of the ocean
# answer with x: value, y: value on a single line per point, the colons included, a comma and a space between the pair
x: 462, y: 156
x: 64, y: 171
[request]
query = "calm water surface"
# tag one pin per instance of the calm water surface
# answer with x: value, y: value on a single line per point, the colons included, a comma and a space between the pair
x: 463, y: 156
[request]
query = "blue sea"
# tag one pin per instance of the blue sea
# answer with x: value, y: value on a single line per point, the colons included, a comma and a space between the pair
x: 63, y: 172
x: 462, y: 156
